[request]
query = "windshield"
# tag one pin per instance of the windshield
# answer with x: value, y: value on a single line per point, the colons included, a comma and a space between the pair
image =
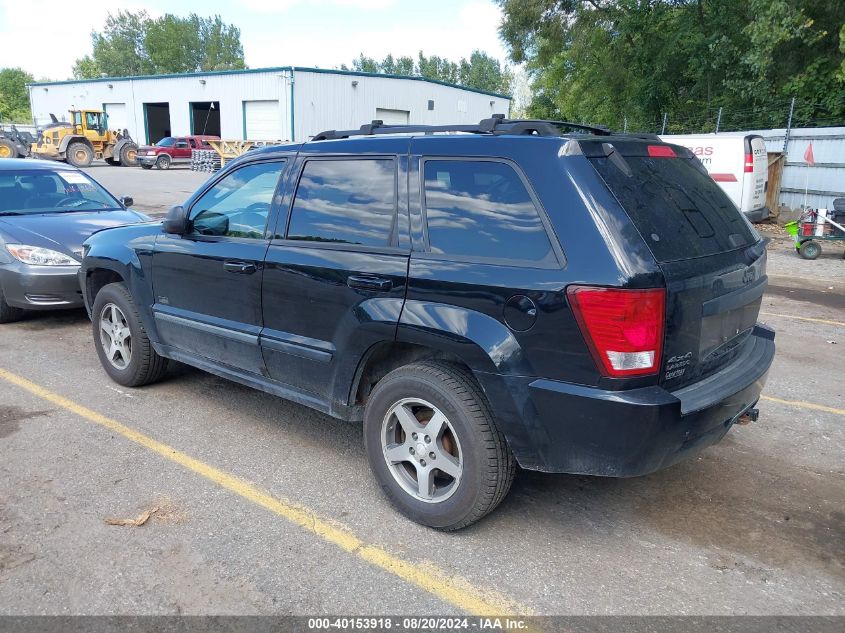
x: 28, y: 192
x: 167, y: 141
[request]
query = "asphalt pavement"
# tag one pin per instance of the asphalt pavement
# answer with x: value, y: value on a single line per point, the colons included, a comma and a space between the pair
x: 154, y: 190
x: 261, y: 506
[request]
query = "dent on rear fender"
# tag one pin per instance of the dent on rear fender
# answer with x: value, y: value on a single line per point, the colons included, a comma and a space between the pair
x: 496, y: 349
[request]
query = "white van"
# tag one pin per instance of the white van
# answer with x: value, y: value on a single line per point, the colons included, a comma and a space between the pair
x: 737, y: 163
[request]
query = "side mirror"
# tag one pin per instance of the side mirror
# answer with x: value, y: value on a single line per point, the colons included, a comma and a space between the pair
x: 126, y: 201
x: 176, y: 221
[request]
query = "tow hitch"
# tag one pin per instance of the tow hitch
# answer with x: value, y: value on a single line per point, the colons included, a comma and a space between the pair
x: 748, y: 417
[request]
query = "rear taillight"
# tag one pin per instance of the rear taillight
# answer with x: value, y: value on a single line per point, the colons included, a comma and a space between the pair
x: 749, y: 163
x: 623, y: 328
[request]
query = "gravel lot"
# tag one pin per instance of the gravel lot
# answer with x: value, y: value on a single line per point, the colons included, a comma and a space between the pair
x: 754, y: 525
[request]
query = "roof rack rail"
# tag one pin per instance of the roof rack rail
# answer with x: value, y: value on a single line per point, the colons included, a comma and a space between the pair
x: 497, y: 124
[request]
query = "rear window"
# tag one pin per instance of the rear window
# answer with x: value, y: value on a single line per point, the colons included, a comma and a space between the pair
x: 677, y: 208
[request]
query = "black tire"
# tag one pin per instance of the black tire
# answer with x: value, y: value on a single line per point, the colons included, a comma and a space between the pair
x: 810, y: 250
x: 8, y: 314
x: 113, y: 162
x: 145, y: 366
x: 8, y: 149
x: 79, y: 154
x: 145, y: 166
x: 129, y: 155
x: 488, y: 464
x: 163, y: 162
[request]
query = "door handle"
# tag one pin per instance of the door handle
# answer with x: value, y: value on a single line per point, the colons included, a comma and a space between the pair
x: 243, y: 268
x: 377, y: 284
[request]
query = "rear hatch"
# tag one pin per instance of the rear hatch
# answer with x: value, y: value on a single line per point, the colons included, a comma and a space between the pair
x: 713, y: 261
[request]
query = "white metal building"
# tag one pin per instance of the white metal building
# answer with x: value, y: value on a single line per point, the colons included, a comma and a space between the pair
x: 286, y: 103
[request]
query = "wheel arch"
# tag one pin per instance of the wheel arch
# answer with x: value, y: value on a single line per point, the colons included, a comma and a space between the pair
x: 98, y: 278
x: 74, y: 138
x: 386, y: 356
x: 121, y: 144
x: 122, y: 254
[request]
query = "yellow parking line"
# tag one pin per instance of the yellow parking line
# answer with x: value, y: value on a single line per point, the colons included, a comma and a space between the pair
x: 452, y: 589
x: 800, y: 318
x: 804, y: 405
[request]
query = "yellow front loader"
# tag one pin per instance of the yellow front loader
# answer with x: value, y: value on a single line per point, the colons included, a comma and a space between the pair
x: 85, y: 138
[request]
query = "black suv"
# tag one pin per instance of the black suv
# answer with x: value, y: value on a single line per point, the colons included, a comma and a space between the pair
x: 504, y: 294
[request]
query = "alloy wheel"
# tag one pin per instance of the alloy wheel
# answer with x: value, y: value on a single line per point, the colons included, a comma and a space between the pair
x: 115, y: 336
x: 422, y: 450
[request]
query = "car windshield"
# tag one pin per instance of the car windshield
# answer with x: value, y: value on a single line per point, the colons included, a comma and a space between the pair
x: 28, y: 192
x: 167, y: 141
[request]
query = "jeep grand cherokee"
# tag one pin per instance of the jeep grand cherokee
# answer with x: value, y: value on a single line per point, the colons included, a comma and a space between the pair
x: 479, y: 296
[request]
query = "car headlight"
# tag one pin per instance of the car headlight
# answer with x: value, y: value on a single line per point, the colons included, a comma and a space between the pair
x: 37, y: 256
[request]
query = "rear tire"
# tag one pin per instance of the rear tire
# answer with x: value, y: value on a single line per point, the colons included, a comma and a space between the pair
x: 129, y: 155
x: 163, y: 162
x: 8, y: 314
x: 413, y: 397
x: 810, y: 250
x: 121, y: 341
x: 79, y: 155
x: 7, y: 149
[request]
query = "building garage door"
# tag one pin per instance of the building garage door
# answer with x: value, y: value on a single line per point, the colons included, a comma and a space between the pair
x: 117, y: 116
x: 393, y: 117
x: 262, y: 121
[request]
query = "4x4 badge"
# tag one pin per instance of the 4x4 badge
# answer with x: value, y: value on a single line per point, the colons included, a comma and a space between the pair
x: 748, y: 275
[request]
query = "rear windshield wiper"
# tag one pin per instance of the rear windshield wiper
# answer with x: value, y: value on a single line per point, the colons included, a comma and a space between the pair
x: 12, y: 213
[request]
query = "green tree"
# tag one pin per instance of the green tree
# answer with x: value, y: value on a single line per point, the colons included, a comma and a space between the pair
x: 119, y: 50
x: 14, y: 96
x: 132, y: 43
x: 480, y: 71
x: 612, y: 61
x: 485, y: 73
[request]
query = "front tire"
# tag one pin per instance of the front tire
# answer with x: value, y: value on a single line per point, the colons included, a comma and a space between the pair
x: 121, y: 341
x: 163, y: 162
x: 79, y: 155
x: 433, y: 446
x: 8, y: 314
x: 145, y: 166
x: 129, y: 155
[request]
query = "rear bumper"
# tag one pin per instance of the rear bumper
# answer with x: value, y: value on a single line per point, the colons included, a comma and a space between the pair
x: 41, y: 287
x: 576, y: 429
x: 757, y: 215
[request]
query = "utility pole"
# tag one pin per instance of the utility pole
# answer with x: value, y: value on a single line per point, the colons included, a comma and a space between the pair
x: 663, y: 130
x: 718, y: 119
x: 788, y: 126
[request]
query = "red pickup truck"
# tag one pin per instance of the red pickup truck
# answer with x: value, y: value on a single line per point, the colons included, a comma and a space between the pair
x: 171, y: 149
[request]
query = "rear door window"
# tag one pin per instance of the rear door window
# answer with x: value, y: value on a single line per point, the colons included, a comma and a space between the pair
x: 482, y: 210
x: 677, y: 208
x: 346, y: 202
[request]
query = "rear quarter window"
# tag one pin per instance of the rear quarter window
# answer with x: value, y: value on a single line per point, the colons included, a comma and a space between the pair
x: 481, y: 210
x: 677, y: 208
